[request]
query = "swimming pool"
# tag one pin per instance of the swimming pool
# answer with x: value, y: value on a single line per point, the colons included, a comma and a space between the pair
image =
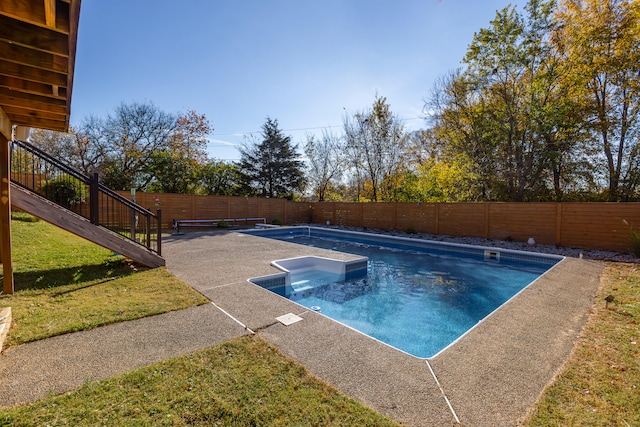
x: 417, y: 296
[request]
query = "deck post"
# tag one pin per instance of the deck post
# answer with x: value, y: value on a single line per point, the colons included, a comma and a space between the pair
x: 5, y: 215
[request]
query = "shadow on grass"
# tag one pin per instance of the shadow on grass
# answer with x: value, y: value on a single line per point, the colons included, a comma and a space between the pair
x: 23, y: 217
x: 81, y: 276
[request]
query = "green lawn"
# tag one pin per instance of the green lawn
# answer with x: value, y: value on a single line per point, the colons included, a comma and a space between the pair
x: 244, y: 382
x: 600, y: 384
x: 65, y: 284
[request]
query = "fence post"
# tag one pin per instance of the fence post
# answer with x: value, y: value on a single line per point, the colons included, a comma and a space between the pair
x: 133, y: 219
x: 94, y: 216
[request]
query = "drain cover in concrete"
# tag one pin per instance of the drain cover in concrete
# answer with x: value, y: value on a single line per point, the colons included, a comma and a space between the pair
x: 288, y: 319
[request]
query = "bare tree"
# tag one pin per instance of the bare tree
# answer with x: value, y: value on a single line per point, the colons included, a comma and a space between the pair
x: 376, y: 146
x: 73, y: 148
x: 326, y: 162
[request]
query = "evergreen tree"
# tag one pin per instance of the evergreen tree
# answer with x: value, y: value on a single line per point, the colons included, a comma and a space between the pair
x: 271, y: 168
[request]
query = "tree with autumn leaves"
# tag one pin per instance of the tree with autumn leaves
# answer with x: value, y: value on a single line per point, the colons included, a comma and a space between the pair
x: 601, y: 42
x: 547, y: 105
x: 178, y: 167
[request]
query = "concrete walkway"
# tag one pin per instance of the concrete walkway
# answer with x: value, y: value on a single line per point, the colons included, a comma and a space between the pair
x: 491, y: 376
x: 55, y: 365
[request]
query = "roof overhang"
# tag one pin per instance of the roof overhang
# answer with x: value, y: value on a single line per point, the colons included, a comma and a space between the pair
x: 37, y: 58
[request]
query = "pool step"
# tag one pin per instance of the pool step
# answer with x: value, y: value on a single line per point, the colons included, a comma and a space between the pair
x: 301, y: 285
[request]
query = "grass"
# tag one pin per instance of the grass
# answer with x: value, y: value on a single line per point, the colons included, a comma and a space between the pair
x: 600, y: 384
x: 64, y: 284
x: 244, y: 382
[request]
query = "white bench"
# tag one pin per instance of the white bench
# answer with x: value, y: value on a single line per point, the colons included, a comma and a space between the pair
x: 182, y: 223
x: 267, y: 225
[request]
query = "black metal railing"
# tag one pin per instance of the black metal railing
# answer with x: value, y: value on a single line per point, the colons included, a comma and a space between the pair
x: 58, y: 182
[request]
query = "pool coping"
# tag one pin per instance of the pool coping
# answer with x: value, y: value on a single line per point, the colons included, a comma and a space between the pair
x: 491, y: 376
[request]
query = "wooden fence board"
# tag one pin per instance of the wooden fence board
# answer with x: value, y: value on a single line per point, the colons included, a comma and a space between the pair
x: 520, y: 221
x: 272, y: 209
x: 349, y: 214
x: 418, y: 217
x: 461, y: 219
x: 581, y: 225
x: 211, y: 207
x: 600, y: 225
x: 321, y: 212
x: 379, y: 215
x: 298, y: 213
x: 245, y: 207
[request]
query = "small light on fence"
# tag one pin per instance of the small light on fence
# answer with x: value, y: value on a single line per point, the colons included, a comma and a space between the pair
x: 531, y: 241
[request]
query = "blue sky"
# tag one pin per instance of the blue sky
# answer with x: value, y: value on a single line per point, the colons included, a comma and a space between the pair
x: 306, y: 63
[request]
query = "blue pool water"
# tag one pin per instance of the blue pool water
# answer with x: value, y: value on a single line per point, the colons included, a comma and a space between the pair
x: 410, y: 298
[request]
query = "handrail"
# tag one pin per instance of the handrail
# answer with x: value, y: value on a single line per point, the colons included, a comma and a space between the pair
x: 129, y: 203
x: 50, y: 159
x: 43, y: 174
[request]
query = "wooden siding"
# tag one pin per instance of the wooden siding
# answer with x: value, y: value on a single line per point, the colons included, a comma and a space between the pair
x: 580, y: 225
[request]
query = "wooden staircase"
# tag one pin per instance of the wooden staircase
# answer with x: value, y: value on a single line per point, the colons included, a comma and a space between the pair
x: 57, y: 215
x: 54, y: 191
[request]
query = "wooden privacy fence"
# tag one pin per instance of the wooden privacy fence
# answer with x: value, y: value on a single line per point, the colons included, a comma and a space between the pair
x: 190, y: 206
x: 580, y: 225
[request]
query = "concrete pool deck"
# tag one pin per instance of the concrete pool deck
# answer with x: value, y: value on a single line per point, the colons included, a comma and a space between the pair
x: 491, y: 376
